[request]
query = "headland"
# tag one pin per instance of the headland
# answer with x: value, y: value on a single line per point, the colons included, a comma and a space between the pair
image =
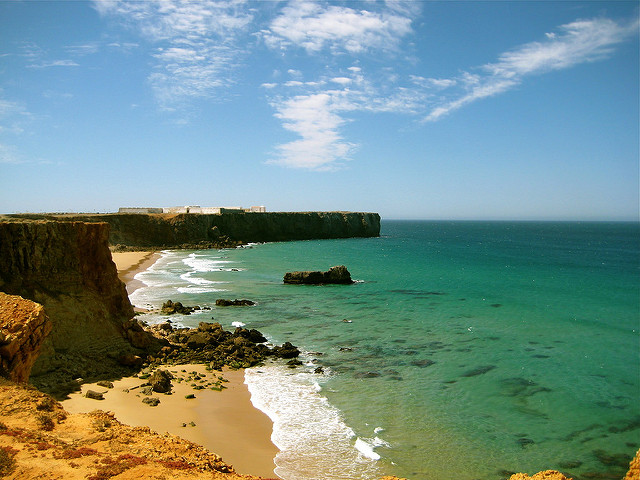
x: 195, y: 230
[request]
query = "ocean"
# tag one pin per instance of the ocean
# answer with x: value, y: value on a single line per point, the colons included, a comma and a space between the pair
x: 465, y: 350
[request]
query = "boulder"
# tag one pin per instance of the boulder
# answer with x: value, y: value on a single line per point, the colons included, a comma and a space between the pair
x: 151, y: 401
x: 252, y: 335
x: 23, y: 327
x: 171, y: 308
x: 335, y: 275
x: 130, y: 360
x: 94, y: 395
x: 160, y: 381
x: 221, y: 302
x: 287, y: 350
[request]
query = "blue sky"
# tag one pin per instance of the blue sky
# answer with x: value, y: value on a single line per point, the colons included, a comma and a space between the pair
x: 435, y: 110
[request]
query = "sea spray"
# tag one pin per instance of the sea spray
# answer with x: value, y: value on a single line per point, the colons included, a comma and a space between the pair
x: 313, y: 439
x: 176, y: 274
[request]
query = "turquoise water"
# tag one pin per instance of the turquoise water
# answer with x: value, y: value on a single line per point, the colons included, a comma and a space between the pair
x: 465, y: 350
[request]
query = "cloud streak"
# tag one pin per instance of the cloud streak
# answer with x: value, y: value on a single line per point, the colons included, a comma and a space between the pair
x: 313, y: 27
x: 196, y: 43
x: 317, y: 110
x: 578, y: 42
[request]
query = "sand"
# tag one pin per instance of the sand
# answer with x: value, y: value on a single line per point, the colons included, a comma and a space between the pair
x: 130, y: 263
x: 225, y: 422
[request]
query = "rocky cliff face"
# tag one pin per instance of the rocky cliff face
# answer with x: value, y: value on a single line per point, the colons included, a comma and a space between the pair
x: 160, y: 230
x: 23, y: 328
x: 67, y: 268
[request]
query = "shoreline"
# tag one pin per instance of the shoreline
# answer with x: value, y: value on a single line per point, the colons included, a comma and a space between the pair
x: 129, y: 264
x: 225, y: 422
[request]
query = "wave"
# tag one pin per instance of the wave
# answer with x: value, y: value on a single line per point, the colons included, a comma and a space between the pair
x: 311, y: 434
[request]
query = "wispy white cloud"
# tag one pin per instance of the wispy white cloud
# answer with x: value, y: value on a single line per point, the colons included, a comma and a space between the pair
x: 315, y: 118
x: 318, y: 116
x: 317, y: 110
x: 54, y: 63
x: 83, y: 49
x: 13, y: 116
x: 196, y: 43
x: 315, y: 27
x: 578, y: 42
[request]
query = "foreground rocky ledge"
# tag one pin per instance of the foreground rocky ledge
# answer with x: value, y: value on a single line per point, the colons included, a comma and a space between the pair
x: 39, y: 439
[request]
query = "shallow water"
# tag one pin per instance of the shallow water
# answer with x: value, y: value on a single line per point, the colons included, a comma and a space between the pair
x: 464, y: 350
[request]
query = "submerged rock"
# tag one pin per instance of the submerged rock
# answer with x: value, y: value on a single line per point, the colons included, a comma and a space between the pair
x: 335, y: 275
x: 221, y: 302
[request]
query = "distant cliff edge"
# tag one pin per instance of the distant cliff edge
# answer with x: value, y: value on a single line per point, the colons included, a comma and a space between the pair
x: 177, y: 230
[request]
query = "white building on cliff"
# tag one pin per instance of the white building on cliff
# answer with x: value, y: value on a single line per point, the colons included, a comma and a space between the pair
x: 192, y: 209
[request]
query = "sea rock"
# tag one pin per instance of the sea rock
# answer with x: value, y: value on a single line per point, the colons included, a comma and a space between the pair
x: 160, y: 381
x: 221, y: 302
x: 23, y: 327
x: 171, y: 308
x: 335, y: 275
x: 287, y: 350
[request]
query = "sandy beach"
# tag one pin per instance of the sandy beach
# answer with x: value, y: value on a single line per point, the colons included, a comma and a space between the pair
x: 223, y: 421
x: 130, y: 263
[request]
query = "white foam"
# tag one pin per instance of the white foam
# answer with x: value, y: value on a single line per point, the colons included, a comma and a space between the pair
x: 204, y: 263
x: 311, y: 434
x: 237, y: 324
x: 366, y: 446
x: 366, y: 449
x: 196, y: 280
x: 194, y: 290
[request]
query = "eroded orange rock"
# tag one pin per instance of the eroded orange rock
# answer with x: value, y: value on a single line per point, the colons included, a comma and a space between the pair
x: 23, y: 327
x: 546, y: 475
x: 634, y: 468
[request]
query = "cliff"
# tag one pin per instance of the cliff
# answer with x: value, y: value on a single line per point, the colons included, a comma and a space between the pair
x: 67, y: 268
x: 177, y: 230
x: 23, y: 328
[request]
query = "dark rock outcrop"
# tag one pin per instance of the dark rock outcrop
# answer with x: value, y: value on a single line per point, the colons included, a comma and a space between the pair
x: 337, y: 275
x: 171, y: 308
x: 221, y: 302
x: 224, y: 230
x: 210, y: 343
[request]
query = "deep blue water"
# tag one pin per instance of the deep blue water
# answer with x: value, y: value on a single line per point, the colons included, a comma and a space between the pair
x: 464, y: 351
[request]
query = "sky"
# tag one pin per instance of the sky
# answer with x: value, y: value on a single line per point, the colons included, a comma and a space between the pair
x: 502, y: 110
